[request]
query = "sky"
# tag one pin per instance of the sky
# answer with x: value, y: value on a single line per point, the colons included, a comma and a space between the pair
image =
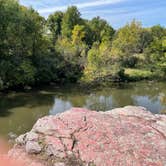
x: 116, y: 12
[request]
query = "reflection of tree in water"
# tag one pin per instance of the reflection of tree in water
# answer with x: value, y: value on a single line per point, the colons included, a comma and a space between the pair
x: 162, y: 98
x: 145, y: 94
x: 76, y: 99
x: 151, y: 89
x: 99, y: 102
x: 153, y: 105
x: 18, y: 112
x: 122, y: 98
x: 29, y: 100
x: 109, y: 98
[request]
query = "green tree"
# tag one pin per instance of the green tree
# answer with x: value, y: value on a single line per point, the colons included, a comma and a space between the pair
x: 70, y: 19
x: 63, y: 47
x: 101, y: 30
x: 158, y: 31
x: 78, y: 34
x: 130, y: 42
x: 127, y: 40
x: 156, y: 49
x: 21, y: 39
x: 101, y: 66
x: 74, y: 56
x: 54, y: 22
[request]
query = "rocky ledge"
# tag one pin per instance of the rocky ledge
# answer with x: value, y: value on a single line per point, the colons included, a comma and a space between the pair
x: 129, y: 136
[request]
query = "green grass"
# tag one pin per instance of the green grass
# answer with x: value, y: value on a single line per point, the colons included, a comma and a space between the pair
x: 138, y: 74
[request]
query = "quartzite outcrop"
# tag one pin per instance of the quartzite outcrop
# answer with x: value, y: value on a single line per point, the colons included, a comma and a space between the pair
x: 129, y: 136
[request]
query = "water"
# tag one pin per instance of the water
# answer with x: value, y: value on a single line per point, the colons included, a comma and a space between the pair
x: 19, y: 111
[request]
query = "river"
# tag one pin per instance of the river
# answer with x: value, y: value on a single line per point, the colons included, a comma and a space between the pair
x: 19, y: 111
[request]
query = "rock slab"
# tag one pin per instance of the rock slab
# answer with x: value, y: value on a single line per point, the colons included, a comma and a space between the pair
x: 129, y: 136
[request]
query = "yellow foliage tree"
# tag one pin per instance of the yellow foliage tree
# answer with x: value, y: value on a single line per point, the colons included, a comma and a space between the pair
x: 78, y: 34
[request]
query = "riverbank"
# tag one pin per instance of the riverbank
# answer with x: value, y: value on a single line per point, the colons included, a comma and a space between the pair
x: 128, y: 75
x: 102, y: 79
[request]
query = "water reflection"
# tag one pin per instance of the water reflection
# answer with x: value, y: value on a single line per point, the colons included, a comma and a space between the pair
x: 154, y: 105
x: 59, y: 106
x: 108, y: 99
x: 99, y: 102
x: 19, y: 111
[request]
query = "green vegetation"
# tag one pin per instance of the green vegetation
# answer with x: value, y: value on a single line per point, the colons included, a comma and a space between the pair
x: 139, y: 74
x: 66, y: 48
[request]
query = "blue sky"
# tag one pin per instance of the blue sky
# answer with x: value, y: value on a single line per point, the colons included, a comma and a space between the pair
x: 116, y: 12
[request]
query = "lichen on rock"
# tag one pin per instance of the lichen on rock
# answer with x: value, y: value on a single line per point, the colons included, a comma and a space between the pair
x: 128, y: 136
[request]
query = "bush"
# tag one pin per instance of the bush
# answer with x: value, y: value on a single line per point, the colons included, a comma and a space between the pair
x: 1, y: 84
x: 130, y: 61
x: 17, y: 73
x: 138, y: 74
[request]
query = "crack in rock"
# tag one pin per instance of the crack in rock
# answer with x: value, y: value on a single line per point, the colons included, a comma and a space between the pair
x: 81, y: 137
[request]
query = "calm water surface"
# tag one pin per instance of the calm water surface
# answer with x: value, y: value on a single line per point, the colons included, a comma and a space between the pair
x: 19, y: 111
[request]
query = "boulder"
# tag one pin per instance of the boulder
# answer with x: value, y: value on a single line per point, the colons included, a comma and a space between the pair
x: 129, y: 136
x: 32, y: 147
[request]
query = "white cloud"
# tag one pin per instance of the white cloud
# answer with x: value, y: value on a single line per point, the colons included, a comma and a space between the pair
x: 80, y: 5
x: 114, y: 12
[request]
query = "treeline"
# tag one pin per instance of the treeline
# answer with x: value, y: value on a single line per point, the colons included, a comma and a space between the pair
x: 67, y: 48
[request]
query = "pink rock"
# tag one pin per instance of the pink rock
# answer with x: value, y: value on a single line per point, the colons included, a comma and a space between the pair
x: 129, y: 136
x: 59, y: 164
x: 31, y: 136
x: 32, y: 147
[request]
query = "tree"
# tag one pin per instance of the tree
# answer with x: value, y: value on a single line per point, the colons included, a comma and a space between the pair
x: 156, y: 50
x: 8, y: 10
x: 21, y: 39
x: 158, y: 31
x: 107, y: 33
x: 130, y: 42
x: 144, y: 40
x: 54, y: 22
x: 127, y: 40
x: 70, y: 19
x: 101, y: 30
x: 63, y: 47
x: 101, y: 66
x: 78, y: 34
